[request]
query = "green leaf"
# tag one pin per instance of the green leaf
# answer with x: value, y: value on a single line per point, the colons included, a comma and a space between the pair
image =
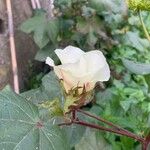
x: 52, y: 85
x: 37, y: 25
x: 103, y: 98
x: 22, y: 129
x: 30, y: 24
x: 146, y: 107
x: 92, y: 25
x: 126, y: 104
x: 53, y: 30
x: 127, y: 143
x: 74, y: 133
x: 36, y: 96
x: 137, y: 68
x: 136, y: 95
x: 124, y: 122
x: 101, y: 5
x: 49, y: 90
x: 88, y: 11
x: 43, y: 53
x: 132, y: 39
x: 91, y: 142
x: 40, y: 37
x: 63, y: 2
x: 116, y: 145
x: 82, y: 26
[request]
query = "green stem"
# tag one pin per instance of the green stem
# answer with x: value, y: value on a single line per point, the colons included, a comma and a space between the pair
x: 143, y: 25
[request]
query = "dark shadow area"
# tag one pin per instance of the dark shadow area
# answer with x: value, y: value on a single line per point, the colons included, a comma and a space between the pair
x: 1, y: 26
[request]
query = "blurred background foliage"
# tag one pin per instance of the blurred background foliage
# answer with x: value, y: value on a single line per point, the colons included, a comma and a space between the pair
x: 109, y: 26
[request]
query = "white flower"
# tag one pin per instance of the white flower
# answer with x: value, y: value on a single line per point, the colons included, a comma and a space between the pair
x: 79, y: 68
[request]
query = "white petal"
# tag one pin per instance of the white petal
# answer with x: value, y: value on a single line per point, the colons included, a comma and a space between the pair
x: 69, y: 80
x: 97, y: 67
x: 72, y: 76
x: 88, y: 65
x: 95, y: 59
x: 70, y: 54
x: 103, y: 74
x: 87, y: 70
x: 50, y: 62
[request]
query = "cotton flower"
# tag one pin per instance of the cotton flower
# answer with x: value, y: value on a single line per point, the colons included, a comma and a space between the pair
x: 79, y: 68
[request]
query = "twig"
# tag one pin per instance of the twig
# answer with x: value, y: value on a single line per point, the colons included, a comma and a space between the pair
x: 12, y: 47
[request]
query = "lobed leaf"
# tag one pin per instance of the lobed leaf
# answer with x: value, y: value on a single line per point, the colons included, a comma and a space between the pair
x: 22, y: 129
x: 37, y: 25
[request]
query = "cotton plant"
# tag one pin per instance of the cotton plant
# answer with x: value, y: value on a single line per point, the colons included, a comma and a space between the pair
x: 79, y: 71
x: 39, y: 125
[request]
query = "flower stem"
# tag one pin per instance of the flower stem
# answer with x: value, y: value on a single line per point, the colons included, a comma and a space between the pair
x: 143, y: 25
